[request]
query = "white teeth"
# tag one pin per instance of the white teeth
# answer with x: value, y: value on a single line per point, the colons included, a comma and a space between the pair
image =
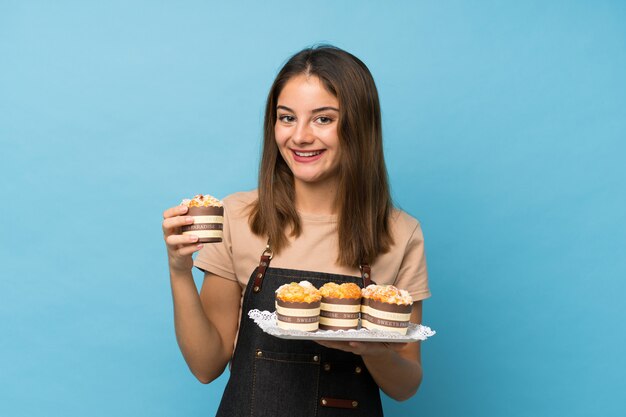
x: 308, y: 153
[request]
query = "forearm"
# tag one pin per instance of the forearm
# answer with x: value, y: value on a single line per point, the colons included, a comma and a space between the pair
x: 396, y: 367
x: 397, y: 376
x: 198, y: 339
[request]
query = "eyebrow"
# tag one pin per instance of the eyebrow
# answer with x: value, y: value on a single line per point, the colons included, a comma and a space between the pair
x: 319, y: 109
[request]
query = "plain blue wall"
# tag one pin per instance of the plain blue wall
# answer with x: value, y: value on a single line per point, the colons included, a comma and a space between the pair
x: 504, y: 124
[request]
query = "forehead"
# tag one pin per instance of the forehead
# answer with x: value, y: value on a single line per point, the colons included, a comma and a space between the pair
x: 304, y: 91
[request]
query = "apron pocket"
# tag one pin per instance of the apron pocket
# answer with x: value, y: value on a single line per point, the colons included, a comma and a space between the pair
x: 285, y: 384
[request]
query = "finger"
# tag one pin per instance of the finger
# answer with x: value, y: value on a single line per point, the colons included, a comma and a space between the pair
x: 337, y: 345
x: 396, y: 346
x: 188, y: 250
x: 181, y: 239
x: 332, y: 343
x: 175, y: 211
x: 175, y: 222
x: 357, y: 347
x: 326, y: 343
x: 362, y: 348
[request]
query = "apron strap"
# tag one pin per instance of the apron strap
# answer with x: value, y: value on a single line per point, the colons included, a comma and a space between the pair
x: 264, y: 263
x: 366, y: 274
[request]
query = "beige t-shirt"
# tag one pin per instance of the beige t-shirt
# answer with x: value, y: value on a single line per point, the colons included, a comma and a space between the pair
x: 314, y: 250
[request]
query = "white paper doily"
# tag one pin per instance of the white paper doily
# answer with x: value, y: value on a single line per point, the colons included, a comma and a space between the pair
x: 267, y: 322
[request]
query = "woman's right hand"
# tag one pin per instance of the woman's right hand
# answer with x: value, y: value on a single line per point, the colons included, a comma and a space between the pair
x: 179, y: 247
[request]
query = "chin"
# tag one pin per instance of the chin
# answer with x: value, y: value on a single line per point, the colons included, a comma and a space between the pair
x: 306, y: 176
x: 307, y: 180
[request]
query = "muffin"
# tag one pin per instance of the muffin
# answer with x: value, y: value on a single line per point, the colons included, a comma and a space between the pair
x: 208, y: 214
x: 340, y: 307
x: 298, y: 306
x: 385, y: 307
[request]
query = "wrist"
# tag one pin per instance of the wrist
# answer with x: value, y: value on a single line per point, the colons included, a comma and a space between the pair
x: 178, y: 272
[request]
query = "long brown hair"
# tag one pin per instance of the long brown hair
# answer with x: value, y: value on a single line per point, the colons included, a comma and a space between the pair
x: 363, y: 199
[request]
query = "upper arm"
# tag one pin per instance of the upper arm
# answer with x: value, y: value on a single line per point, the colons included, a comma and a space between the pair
x: 221, y: 300
x: 412, y: 274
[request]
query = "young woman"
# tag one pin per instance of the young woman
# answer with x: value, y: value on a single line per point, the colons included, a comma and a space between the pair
x: 322, y: 212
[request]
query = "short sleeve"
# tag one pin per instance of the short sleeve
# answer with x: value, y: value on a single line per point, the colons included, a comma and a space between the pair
x: 412, y: 275
x: 217, y: 258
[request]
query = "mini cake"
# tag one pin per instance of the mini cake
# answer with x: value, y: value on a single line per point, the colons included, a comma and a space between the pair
x: 208, y: 214
x: 384, y: 307
x: 340, y: 307
x: 298, y: 306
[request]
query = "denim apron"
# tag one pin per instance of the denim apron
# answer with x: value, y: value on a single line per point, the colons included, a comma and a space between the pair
x: 272, y: 377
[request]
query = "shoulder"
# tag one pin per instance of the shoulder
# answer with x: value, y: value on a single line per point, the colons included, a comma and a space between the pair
x: 239, y: 204
x: 404, y: 227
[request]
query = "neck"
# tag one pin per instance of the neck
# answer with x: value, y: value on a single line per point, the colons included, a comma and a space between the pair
x: 316, y: 198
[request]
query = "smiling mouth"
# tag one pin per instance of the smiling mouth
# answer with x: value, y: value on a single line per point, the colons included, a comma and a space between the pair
x: 307, y: 154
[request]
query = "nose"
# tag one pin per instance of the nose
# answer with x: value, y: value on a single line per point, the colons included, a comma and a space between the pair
x: 303, y: 134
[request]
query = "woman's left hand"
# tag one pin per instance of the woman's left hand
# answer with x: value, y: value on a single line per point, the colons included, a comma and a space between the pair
x: 364, y: 348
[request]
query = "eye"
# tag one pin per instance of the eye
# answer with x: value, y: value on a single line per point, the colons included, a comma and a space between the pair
x: 286, y: 118
x: 324, y: 120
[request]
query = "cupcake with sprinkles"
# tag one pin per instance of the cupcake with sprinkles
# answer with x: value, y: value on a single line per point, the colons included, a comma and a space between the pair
x: 385, y: 307
x: 340, y: 306
x: 298, y: 306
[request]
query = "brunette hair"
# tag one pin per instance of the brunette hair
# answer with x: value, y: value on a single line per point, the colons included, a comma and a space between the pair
x: 363, y: 198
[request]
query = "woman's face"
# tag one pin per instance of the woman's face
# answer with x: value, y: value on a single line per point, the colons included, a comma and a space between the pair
x: 306, y: 129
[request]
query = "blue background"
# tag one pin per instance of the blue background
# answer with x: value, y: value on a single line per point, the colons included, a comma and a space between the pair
x: 504, y: 124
